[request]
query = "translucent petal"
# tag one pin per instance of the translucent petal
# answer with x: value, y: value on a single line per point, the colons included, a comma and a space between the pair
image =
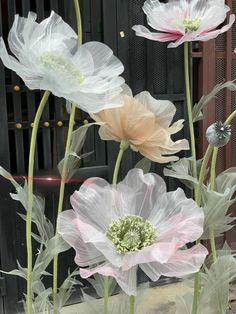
x: 86, y: 254
x: 127, y: 280
x: 95, y: 203
x: 163, y: 37
x: 139, y: 192
x: 164, y: 110
x: 159, y: 252
x: 105, y: 63
x: 183, y: 263
x: 101, y: 242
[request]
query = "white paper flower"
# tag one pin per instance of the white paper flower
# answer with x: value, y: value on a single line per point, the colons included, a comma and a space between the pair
x: 48, y: 58
x: 184, y: 20
x: 136, y: 224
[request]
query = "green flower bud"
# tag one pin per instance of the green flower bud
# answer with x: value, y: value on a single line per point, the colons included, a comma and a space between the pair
x: 218, y: 134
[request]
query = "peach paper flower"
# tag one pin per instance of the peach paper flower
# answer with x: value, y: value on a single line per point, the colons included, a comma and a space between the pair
x: 184, y: 20
x: 145, y: 123
x: 139, y: 223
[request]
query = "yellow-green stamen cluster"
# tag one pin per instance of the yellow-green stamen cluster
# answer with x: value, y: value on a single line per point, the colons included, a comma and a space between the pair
x: 191, y: 25
x: 131, y: 233
x: 59, y: 63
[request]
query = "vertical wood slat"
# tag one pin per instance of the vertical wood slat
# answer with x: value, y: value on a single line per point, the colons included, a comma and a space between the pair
x: 229, y: 147
x: 206, y: 83
x: 228, y: 95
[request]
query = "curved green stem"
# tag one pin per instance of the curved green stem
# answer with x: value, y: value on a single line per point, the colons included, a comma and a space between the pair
x: 65, y: 164
x: 212, y: 187
x: 60, y: 203
x: 79, y: 21
x: 199, y: 200
x: 189, y: 107
x: 106, y: 294
x: 202, y: 174
x: 123, y: 146
x: 131, y: 304
x: 30, y: 199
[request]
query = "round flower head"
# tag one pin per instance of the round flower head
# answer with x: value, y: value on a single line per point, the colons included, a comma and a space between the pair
x: 144, y: 122
x: 218, y: 134
x: 136, y: 224
x: 184, y: 20
x: 48, y: 58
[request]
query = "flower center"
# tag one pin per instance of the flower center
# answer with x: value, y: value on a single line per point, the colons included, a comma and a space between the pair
x: 61, y: 64
x: 131, y: 233
x: 191, y: 25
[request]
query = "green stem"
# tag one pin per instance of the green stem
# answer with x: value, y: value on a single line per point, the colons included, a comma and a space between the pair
x: 65, y: 164
x: 30, y: 199
x: 189, y: 108
x: 132, y: 304
x: 106, y: 294
x: 212, y: 187
x: 199, y: 200
x: 79, y: 21
x: 202, y: 174
x: 60, y: 203
x: 123, y: 146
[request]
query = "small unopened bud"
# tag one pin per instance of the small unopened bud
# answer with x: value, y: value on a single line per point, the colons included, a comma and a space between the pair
x: 218, y: 134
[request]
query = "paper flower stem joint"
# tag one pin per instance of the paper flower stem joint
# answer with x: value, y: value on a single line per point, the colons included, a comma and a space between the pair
x: 30, y: 200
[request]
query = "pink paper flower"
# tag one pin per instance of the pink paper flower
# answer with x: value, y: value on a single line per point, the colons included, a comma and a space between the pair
x: 113, y: 231
x: 184, y: 20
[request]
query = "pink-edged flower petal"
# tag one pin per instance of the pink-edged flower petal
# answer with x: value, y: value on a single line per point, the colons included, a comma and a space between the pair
x: 158, y: 252
x: 138, y: 192
x: 180, y: 218
x: 86, y: 253
x: 94, y: 200
x: 91, y: 235
x: 183, y: 21
x: 127, y: 280
x: 213, y: 34
x: 142, y: 31
x: 183, y: 262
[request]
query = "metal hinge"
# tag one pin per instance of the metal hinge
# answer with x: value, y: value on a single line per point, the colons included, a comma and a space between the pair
x: 2, y: 286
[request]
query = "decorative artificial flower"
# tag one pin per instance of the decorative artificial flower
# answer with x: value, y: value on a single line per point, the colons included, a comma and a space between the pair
x: 48, y: 58
x: 184, y: 20
x: 218, y: 134
x: 136, y: 224
x: 145, y: 123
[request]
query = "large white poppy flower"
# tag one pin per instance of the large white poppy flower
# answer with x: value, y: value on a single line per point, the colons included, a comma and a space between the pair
x: 48, y: 58
x: 136, y: 224
x: 184, y: 20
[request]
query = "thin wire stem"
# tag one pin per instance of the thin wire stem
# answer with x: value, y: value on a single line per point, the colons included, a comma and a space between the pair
x: 30, y: 199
